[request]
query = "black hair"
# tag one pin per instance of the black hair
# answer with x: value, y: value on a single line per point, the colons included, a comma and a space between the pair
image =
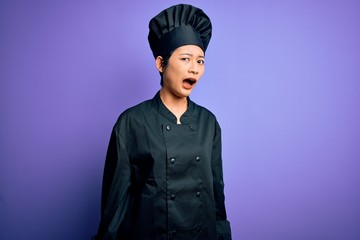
x: 164, y: 64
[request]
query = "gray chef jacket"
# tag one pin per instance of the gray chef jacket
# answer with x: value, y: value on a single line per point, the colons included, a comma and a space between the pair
x: 164, y: 180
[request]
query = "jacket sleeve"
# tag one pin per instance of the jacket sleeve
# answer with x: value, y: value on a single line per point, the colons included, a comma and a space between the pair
x: 222, y: 224
x: 115, y: 198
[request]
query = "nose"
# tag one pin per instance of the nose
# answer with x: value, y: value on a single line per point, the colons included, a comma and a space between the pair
x: 193, y: 72
x: 193, y: 68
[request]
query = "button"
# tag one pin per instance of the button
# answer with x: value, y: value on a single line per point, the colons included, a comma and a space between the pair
x: 172, y: 160
x: 198, y: 194
x: 168, y: 128
x: 193, y: 127
x: 172, y: 197
x: 197, y: 159
x: 198, y: 229
x: 172, y: 233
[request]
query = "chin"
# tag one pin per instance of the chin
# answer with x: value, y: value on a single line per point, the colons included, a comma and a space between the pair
x: 186, y: 93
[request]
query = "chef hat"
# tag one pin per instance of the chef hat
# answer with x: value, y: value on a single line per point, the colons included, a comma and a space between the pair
x: 177, y: 26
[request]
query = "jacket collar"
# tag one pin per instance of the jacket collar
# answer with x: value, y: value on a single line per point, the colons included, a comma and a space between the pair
x: 186, y: 118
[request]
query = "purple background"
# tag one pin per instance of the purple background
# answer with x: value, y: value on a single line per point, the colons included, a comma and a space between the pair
x: 283, y: 78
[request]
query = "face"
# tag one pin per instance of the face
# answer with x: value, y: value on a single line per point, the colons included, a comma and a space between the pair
x: 184, y: 69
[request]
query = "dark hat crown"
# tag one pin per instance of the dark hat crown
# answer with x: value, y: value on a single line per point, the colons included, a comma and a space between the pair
x: 177, y: 26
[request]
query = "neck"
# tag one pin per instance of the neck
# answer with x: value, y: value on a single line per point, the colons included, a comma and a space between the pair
x: 176, y: 105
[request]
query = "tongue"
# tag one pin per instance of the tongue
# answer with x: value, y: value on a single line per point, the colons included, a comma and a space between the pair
x: 187, y: 85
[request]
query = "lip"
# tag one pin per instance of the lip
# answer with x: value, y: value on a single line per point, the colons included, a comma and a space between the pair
x: 189, y: 83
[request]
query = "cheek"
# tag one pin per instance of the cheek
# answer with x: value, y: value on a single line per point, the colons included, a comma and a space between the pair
x: 178, y: 72
x: 171, y: 74
x: 202, y: 71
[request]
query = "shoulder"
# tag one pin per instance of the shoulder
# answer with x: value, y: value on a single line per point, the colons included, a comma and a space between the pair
x: 204, y: 115
x: 134, y: 113
x: 203, y: 112
x: 136, y: 110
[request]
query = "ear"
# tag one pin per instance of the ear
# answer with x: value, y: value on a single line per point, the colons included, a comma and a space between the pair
x: 159, y: 63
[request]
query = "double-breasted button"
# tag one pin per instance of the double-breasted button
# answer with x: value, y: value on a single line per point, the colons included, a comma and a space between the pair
x: 198, y: 194
x: 197, y: 159
x: 172, y: 160
x: 168, y: 128
x: 172, y: 197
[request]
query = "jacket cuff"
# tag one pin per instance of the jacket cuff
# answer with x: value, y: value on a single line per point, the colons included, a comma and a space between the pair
x: 223, y: 230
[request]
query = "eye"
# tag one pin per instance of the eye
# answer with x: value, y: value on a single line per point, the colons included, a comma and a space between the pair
x: 185, y: 59
x: 202, y: 62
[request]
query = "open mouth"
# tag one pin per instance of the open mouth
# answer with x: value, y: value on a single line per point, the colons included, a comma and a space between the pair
x: 190, y: 81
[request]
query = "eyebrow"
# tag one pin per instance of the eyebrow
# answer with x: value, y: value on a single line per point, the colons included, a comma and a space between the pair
x: 191, y: 55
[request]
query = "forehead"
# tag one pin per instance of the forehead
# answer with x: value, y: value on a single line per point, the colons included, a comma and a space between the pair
x: 189, y: 49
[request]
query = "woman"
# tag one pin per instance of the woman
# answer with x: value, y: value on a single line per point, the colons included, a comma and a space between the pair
x: 163, y: 171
